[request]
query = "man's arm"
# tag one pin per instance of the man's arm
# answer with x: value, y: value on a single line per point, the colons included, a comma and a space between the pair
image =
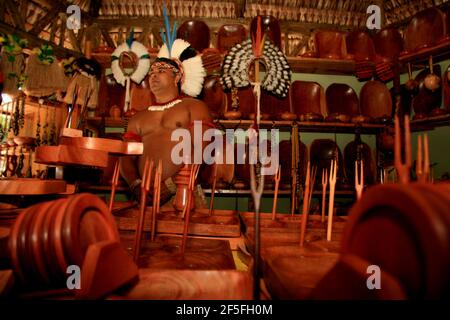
x: 129, y: 164
x: 199, y: 111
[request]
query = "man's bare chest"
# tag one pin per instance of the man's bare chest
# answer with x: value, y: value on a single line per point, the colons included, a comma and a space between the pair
x: 156, y: 121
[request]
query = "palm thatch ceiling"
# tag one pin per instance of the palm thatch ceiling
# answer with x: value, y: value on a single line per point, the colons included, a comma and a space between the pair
x: 107, y: 22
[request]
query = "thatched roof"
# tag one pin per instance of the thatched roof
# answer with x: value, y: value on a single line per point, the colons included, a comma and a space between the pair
x: 108, y: 21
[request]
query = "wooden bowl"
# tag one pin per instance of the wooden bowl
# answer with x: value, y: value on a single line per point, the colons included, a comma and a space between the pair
x: 81, y: 227
x: 56, y: 256
x: 36, y: 246
x: 388, y: 44
x: 47, y: 240
x: 360, y: 46
x: 229, y: 35
x: 196, y: 32
x: 24, y: 141
x: 330, y: 44
x: 424, y: 30
x: 14, y: 246
x: 375, y: 100
x: 341, y: 100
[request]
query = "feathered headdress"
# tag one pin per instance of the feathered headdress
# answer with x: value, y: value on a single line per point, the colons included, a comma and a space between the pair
x: 186, y: 58
x: 141, y: 70
x: 236, y: 65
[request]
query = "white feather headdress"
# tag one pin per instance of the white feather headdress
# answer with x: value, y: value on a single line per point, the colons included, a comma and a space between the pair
x: 193, y: 71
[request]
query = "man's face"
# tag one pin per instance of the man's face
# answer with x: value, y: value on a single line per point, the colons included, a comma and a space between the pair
x: 163, y: 76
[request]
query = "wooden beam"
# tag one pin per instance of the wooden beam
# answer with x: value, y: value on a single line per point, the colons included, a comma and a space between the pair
x: 46, y: 20
x: 23, y: 8
x: 62, y: 32
x: 34, y: 41
x: 19, y: 21
x: 53, y: 30
x: 107, y: 37
x: 73, y: 40
x: 2, y: 11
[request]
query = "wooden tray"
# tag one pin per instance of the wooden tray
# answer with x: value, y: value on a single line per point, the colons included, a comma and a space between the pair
x: 285, y: 230
x: 30, y: 186
x: 165, y: 253
x: 107, y: 145
x: 190, y: 285
x: 292, y: 272
x: 222, y: 223
x: 70, y: 155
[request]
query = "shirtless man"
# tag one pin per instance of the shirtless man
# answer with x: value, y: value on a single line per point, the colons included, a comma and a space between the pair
x: 155, y: 125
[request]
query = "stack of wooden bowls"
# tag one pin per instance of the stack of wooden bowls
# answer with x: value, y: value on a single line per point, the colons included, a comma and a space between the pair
x: 48, y: 237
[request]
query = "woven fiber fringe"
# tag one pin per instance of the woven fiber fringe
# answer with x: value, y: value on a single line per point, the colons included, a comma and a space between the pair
x: 10, y: 84
x: 43, y: 79
x: 84, y: 85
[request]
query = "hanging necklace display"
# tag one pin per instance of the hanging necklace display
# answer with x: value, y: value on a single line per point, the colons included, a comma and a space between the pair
x: 22, y: 111
x: 38, y: 124
x: 52, y: 138
x: 16, y: 117
x: 18, y: 171
x: 8, y: 118
x: 5, y: 170
x: 29, y: 173
x: 13, y: 160
x: 45, y: 128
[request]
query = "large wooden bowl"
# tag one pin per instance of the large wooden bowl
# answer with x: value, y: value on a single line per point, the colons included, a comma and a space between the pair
x: 360, y: 46
x: 330, y: 44
x: 424, y: 30
x: 351, y: 152
x: 229, y: 35
x: 388, y: 44
x: 308, y: 100
x: 196, y: 32
x: 376, y: 101
x: 214, y: 96
x: 406, y: 234
x: 321, y: 152
x: 341, y: 100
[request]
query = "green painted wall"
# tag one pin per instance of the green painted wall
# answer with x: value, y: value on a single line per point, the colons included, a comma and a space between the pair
x: 438, y: 138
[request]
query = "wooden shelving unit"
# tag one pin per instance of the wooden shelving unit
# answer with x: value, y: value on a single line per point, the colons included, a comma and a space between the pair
x: 439, y: 52
x: 430, y: 123
x: 298, y: 64
x: 271, y: 192
x: 322, y: 66
x: 338, y: 127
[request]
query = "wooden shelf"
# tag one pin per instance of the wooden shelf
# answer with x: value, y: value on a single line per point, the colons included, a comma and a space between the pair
x: 298, y: 64
x: 439, y: 52
x: 322, y: 66
x: 271, y: 192
x: 430, y: 123
x: 339, y: 127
